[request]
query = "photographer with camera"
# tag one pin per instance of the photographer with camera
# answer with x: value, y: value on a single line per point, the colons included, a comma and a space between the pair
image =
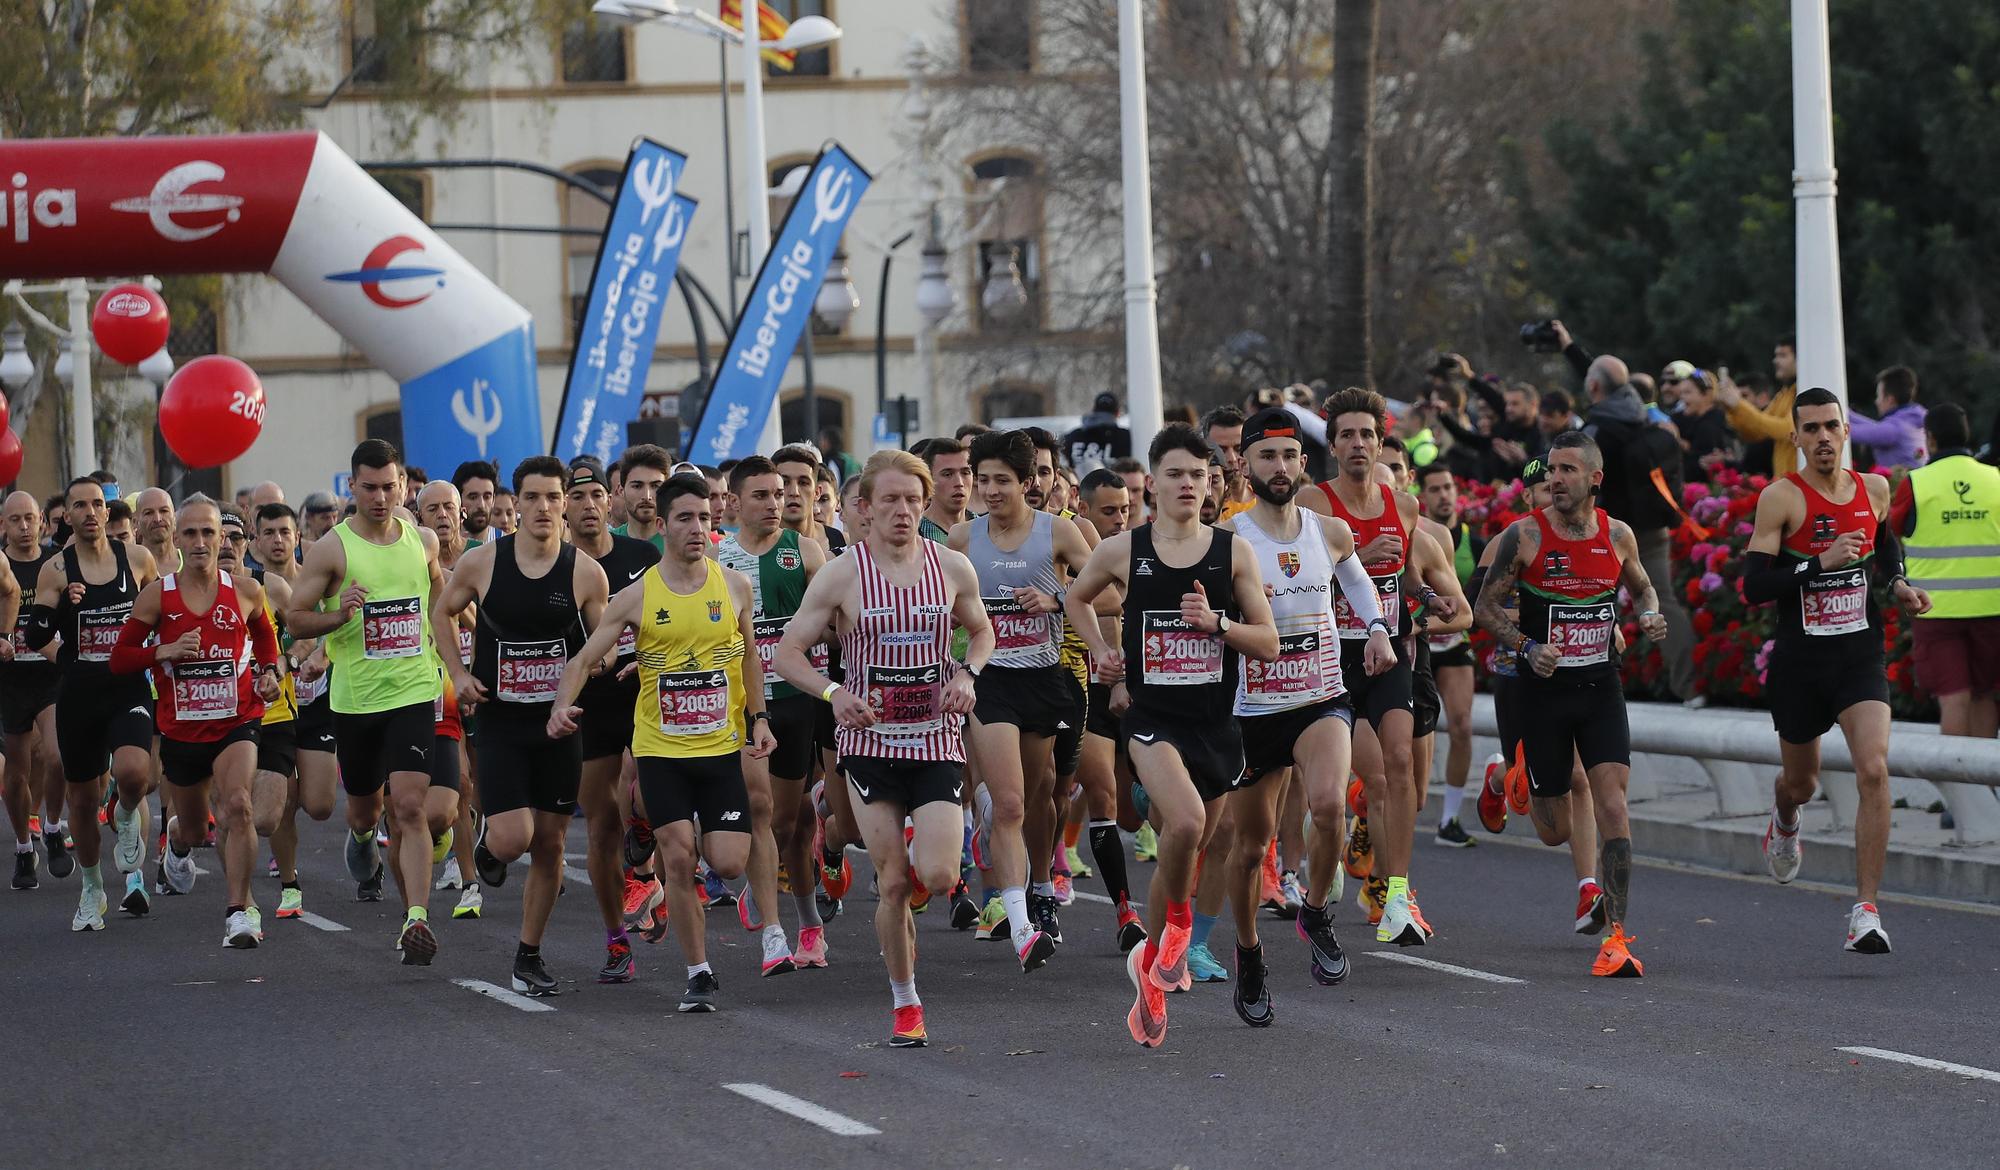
x: 1496, y: 453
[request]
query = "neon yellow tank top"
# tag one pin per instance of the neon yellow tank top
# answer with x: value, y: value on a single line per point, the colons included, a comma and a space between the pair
x: 385, y: 656
x: 690, y: 650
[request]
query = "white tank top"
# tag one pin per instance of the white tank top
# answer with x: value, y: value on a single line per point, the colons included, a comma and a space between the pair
x: 1300, y: 575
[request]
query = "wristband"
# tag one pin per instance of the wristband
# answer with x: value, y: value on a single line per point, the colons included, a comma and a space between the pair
x: 826, y: 696
x: 1527, y: 645
x: 1646, y: 613
x: 764, y: 715
x: 1384, y: 624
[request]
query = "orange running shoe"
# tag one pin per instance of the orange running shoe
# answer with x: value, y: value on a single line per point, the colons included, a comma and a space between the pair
x: 1359, y: 856
x: 1517, y: 781
x: 1371, y: 897
x: 1417, y: 916
x: 1590, y: 908
x: 1273, y: 898
x: 1357, y: 797
x: 1147, y: 1021
x: 908, y: 1030
x: 1615, y: 959
x: 1493, y: 795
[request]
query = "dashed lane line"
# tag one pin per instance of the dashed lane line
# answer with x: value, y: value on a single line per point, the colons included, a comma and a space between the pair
x: 804, y: 1110
x: 318, y: 923
x: 1958, y: 1070
x: 1447, y: 968
x: 512, y: 999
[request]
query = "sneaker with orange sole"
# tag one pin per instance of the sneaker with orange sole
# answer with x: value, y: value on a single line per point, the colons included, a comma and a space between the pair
x: 1147, y: 1021
x: 1615, y: 959
x: 1357, y: 797
x: 1517, y: 781
x: 1359, y: 856
x: 1417, y: 916
x: 908, y: 1029
x: 1590, y: 908
x: 1493, y: 795
x: 1371, y: 897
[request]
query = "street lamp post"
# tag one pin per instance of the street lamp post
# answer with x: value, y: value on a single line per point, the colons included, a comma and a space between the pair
x: 73, y: 365
x: 1822, y: 349
x: 1142, y: 328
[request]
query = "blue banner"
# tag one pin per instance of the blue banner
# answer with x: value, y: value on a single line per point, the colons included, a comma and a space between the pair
x: 482, y: 405
x: 628, y: 295
x: 775, y: 315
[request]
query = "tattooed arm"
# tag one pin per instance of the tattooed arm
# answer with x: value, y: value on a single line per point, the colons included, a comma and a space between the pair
x: 1517, y: 547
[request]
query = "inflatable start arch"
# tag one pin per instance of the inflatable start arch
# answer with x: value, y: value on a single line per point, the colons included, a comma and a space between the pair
x: 295, y: 206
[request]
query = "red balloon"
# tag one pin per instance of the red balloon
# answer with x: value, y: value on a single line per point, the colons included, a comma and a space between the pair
x: 130, y: 323
x: 10, y: 457
x: 211, y: 411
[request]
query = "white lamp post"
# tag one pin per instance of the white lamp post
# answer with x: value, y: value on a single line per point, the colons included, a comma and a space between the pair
x: 1822, y: 349
x: 1142, y: 328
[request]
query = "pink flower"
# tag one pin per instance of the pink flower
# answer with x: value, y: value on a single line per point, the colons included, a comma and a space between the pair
x: 1745, y: 529
x: 1701, y: 551
x: 1763, y: 661
x: 1710, y: 582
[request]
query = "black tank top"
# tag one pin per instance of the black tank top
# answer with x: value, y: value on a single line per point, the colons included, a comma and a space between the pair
x: 89, y: 628
x: 836, y: 543
x: 529, y: 628
x: 1172, y: 670
x: 623, y: 566
x: 26, y: 574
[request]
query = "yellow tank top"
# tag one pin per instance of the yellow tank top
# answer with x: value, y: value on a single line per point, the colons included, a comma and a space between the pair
x: 1074, y: 655
x: 286, y: 707
x: 690, y: 649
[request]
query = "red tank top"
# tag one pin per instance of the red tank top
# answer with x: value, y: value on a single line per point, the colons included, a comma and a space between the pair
x: 206, y: 697
x: 1832, y: 604
x: 1387, y: 575
x: 1569, y: 596
x: 1826, y: 520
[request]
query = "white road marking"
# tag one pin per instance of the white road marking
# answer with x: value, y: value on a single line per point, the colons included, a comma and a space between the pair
x: 1957, y: 1070
x: 1087, y: 896
x: 512, y: 999
x: 318, y: 923
x: 804, y: 1110
x: 1447, y: 968
x: 576, y: 875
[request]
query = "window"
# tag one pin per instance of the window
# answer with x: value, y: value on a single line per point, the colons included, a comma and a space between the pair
x: 1007, y: 192
x: 812, y: 62
x: 830, y: 405
x: 384, y: 423
x: 382, y: 47
x: 412, y: 189
x: 1012, y: 400
x: 998, y: 36
x: 593, y: 52
x: 581, y: 210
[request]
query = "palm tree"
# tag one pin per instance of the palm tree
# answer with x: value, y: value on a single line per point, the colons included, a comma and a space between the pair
x: 1351, y: 216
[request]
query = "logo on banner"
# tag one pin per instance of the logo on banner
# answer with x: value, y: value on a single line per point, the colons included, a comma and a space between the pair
x: 378, y: 269
x: 127, y: 305
x: 673, y: 229
x: 54, y: 207
x: 170, y: 197
x: 474, y: 418
x: 833, y: 197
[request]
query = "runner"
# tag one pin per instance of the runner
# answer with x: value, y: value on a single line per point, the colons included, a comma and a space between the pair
x: 1182, y: 655
x: 274, y: 732
x: 28, y: 681
x: 104, y: 724
x: 1067, y: 745
x: 153, y: 524
x: 1451, y: 654
x: 643, y: 469
x: 383, y: 639
x: 893, y: 602
x: 1820, y: 538
x: 700, y: 708
x: 798, y: 465
x: 1569, y: 560
x: 951, y: 469
x: 298, y: 751
x: 1105, y: 771
x: 1025, y: 696
x: 1294, y: 711
x: 214, y: 666
x: 439, y: 510
x: 534, y: 598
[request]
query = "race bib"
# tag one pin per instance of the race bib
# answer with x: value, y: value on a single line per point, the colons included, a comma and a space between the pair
x: 694, y: 702
x: 464, y: 646
x: 1174, y: 653
x: 1018, y: 635
x: 1445, y: 643
x: 908, y: 701
x: 97, y: 631
x: 309, y: 692
x: 392, y: 629
x: 1581, y: 634
x: 1387, y: 591
x: 1298, y: 674
x: 205, y: 689
x: 628, y: 643
x: 1834, y: 603
x: 530, y: 672
x: 21, y: 637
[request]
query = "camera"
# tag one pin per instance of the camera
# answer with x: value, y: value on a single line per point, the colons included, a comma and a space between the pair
x: 1540, y: 337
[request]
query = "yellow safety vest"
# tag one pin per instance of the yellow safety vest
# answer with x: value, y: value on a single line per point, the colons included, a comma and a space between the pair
x: 1953, y: 552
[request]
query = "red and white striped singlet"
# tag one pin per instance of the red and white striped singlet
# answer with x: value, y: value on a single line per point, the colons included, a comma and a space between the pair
x: 897, y: 656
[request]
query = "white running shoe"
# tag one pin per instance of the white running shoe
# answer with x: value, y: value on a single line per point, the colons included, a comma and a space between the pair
x: 179, y: 870
x: 90, y: 910
x: 1865, y: 935
x: 1398, y: 925
x: 470, y: 902
x: 449, y: 879
x: 1783, y: 852
x: 130, y: 853
x: 240, y: 933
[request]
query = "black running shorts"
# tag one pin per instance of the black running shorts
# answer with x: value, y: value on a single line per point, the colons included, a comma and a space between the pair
x: 1035, y: 699
x: 708, y: 789
x: 95, y: 717
x: 1101, y: 722
x: 1459, y: 655
x: 1270, y: 742
x: 520, y: 766
x: 187, y: 763
x: 1425, y: 705
x: 277, y: 748
x: 608, y: 705
x: 370, y: 746
x: 1069, y: 734
x: 447, y: 766
x: 1374, y: 697
x: 910, y: 784
x: 1213, y: 756
x: 792, y: 719
x: 1563, y: 722
x: 26, y: 690
x: 1807, y: 694
x: 315, y: 724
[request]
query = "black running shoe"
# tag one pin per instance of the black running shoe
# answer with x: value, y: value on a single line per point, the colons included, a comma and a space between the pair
x: 1042, y: 909
x: 61, y: 864
x: 829, y: 908
x: 618, y: 965
x: 700, y: 993
x: 1329, y: 962
x: 1452, y: 835
x: 964, y: 911
x: 638, y: 843
x: 1252, y: 998
x: 25, y: 867
x: 370, y: 890
x: 492, y: 871
x: 532, y: 978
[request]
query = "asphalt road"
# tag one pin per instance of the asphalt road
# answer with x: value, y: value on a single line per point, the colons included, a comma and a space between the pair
x: 320, y: 1049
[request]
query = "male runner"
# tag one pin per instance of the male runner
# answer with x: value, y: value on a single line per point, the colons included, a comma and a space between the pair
x: 1451, y: 654
x: 1104, y: 770
x: 643, y: 469
x: 951, y: 469
x: 798, y: 465
x: 299, y: 752
x: 214, y: 667
x: 476, y: 480
x: 700, y: 709
x: 439, y: 509
x: 382, y: 640
x: 893, y: 602
x: 534, y: 598
x: 1821, y: 535
x: 1178, y: 658
x: 1050, y: 869
x: 84, y: 595
x: 1223, y: 428
x: 1569, y: 560
x: 27, y: 706
x: 1294, y: 711
x: 153, y: 524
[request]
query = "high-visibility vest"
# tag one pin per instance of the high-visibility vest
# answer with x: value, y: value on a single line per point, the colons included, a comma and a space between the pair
x: 1953, y: 552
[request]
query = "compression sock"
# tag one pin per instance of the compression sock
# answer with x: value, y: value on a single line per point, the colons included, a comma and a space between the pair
x: 1107, y: 848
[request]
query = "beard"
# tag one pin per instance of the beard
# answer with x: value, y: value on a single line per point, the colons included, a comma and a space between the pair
x: 1270, y: 495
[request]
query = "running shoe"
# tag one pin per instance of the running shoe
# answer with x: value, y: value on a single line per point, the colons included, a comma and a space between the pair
x: 1042, y: 909
x: 920, y: 896
x: 449, y: 878
x: 1147, y: 1021
x: 1078, y: 868
x: 777, y: 955
x: 907, y: 1029
x: 746, y: 910
x: 1590, y: 908
x: 1357, y: 797
x: 619, y: 966
x: 1615, y: 959
x: 441, y: 846
x: 834, y: 876
x: 59, y: 846
x: 179, y: 871
x: 811, y: 951
x: 784, y: 879
x: 470, y: 902
x: 532, y: 978
x: 1783, y: 851
x: 1359, y: 858
x: 653, y: 927
x: 1035, y: 953
x: 1202, y: 967
x: 1493, y: 795
x: 1452, y: 835
x: 291, y: 903
x: 271, y: 869
x: 700, y: 993
x: 90, y: 908
x: 1417, y: 916
x: 1370, y: 898
x: 1170, y: 969
x: 208, y: 834
x: 1398, y: 925
x: 256, y: 920
x: 642, y: 895
x: 719, y: 893
x: 1273, y: 892
x: 964, y: 911
x: 993, y: 924
x: 1865, y: 935
x: 25, y: 867
x: 419, y: 945
x: 364, y: 857
x: 1517, y: 781
x: 1065, y: 889
x: 1252, y: 998
x: 829, y: 908
x: 370, y: 890
x: 239, y: 933
x: 638, y: 842
x: 130, y: 853
x: 1329, y: 962
x: 382, y: 831
x: 1131, y: 931
x: 491, y: 870
x: 1146, y: 847
x: 136, y: 902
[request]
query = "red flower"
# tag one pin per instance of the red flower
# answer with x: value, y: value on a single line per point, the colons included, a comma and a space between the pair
x: 1704, y: 622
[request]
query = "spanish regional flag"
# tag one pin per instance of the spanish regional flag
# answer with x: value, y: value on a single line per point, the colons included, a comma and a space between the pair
x: 770, y: 26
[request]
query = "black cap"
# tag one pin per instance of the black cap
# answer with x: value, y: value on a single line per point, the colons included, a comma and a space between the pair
x: 1105, y: 404
x: 585, y: 469
x: 1273, y: 422
x: 1534, y: 472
